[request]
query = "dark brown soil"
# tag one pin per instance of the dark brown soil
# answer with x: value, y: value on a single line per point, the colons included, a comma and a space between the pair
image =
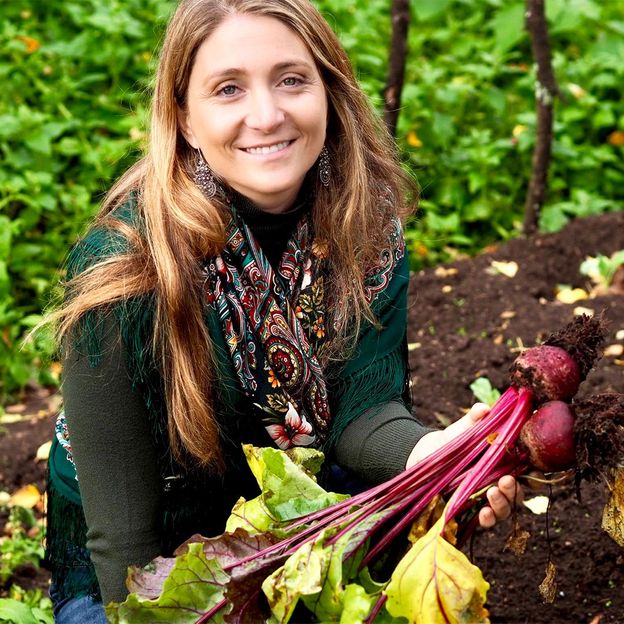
x: 469, y: 324
x: 466, y: 323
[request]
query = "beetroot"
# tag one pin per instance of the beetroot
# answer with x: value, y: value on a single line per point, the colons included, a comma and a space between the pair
x: 549, y: 372
x: 554, y: 370
x: 548, y: 436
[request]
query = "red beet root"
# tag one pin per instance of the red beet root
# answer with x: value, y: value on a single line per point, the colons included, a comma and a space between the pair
x: 551, y: 373
x: 548, y: 436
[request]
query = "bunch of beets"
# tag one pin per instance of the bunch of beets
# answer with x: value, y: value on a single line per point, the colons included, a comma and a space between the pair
x: 535, y: 424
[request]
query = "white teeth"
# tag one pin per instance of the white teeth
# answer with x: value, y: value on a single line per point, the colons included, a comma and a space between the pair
x: 267, y: 149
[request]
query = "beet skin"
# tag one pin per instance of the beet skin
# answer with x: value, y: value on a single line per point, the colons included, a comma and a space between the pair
x: 548, y: 436
x: 551, y: 373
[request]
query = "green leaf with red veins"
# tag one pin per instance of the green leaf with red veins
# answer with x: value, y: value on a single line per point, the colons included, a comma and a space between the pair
x: 252, y: 515
x: 194, y: 585
x: 230, y: 548
x: 245, y: 588
x: 147, y: 582
x: 287, y: 491
x: 309, y: 459
x: 357, y: 604
x: 345, y: 557
x: 302, y: 574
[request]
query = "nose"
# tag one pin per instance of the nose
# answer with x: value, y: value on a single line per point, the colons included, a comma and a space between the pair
x: 265, y: 113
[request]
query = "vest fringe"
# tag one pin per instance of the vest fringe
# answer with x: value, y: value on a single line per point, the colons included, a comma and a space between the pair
x: 67, y: 555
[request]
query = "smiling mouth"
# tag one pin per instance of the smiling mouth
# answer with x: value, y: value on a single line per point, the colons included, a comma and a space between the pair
x: 267, y: 149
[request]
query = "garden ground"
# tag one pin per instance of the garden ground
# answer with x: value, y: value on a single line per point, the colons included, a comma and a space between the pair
x: 468, y: 319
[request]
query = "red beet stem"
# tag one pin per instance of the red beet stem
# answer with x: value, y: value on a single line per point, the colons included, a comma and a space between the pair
x: 500, y: 446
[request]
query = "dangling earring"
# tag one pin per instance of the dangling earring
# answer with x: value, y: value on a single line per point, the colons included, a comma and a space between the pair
x: 324, y: 167
x: 204, y: 177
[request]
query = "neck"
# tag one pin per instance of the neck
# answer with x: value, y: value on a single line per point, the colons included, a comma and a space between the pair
x: 279, y: 205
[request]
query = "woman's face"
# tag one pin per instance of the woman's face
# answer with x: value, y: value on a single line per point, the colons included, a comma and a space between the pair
x: 257, y: 109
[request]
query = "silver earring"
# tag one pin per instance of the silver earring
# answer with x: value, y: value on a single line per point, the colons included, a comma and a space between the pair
x: 204, y: 177
x: 324, y: 167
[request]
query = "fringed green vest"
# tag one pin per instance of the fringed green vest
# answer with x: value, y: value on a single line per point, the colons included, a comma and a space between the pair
x: 196, y: 501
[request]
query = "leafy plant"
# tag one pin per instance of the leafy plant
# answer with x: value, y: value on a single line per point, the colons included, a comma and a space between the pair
x: 73, y: 117
x: 484, y: 391
x: 601, y: 269
x: 22, y: 542
x: 26, y: 608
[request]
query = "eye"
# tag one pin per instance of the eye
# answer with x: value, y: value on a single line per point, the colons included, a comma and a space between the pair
x: 228, y: 90
x: 292, y: 81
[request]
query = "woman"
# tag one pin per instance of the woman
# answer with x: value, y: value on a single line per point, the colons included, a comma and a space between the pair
x: 245, y: 282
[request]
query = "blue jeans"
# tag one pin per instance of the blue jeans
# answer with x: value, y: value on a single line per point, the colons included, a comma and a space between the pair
x: 81, y: 610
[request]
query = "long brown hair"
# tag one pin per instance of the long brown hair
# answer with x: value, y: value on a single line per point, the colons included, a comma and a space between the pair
x: 181, y: 226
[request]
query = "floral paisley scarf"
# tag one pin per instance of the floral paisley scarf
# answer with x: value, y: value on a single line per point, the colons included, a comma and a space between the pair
x: 275, y: 324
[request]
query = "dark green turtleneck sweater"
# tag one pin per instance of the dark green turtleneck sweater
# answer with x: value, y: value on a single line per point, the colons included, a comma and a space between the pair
x: 119, y: 482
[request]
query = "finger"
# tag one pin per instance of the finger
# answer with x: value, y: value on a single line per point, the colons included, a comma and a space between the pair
x: 499, y: 503
x: 478, y: 411
x: 487, y: 519
x: 511, y: 489
x: 475, y: 413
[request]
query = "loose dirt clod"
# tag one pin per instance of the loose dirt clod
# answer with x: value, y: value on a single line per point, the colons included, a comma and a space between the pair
x: 599, y: 434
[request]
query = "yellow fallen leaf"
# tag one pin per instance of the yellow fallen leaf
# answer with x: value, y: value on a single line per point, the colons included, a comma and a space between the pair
x: 447, y: 288
x: 420, y: 249
x: 614, y: 350
x: 32, y: 44
x: 27, y: 496
x: 9, y: 419
x: 616, y: 138
x: 565, y: 294
x: 56, y: 368
x: 518, y: 130
x: 413, y: 140
x: 43, y: 452
x: 508, y: 269
x: 413, y: 345
x: 576, y: 90
x: 613, y: 514
x: 435, y: 583
x: 445, y: 272
x: 619, y: 335
x: 538, y: 504
x: 580, y: 310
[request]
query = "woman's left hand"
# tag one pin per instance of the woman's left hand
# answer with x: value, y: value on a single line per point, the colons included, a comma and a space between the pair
x: 500, y: 496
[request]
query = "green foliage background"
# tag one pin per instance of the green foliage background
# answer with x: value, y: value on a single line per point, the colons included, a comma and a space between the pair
x: 76, y: 80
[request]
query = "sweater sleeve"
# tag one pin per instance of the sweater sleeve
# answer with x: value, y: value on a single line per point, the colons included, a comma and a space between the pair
x: 115, y: 461
x: 376, y: 445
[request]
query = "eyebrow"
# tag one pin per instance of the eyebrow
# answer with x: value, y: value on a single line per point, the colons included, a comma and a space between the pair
x: 223, y: 73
